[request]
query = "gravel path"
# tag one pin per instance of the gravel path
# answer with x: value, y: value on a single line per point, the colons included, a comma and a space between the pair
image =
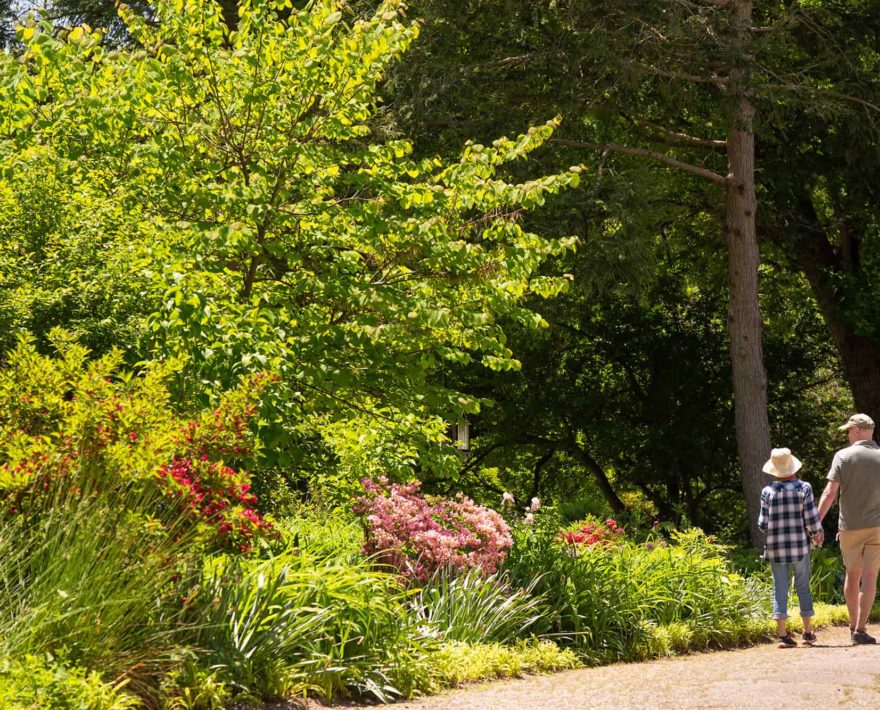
x: 831, y: 674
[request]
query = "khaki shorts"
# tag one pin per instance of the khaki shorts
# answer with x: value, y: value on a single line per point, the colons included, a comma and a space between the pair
x: 860, y: 548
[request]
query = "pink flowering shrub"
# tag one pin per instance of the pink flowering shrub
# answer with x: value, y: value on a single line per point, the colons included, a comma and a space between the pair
x: 592, y: 532
x: 420, y: 536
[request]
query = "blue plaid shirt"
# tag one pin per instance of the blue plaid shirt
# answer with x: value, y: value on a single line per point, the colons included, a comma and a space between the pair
x: 788, y: 513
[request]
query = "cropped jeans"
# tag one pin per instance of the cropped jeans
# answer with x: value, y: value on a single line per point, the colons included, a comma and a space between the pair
x: 781, y: 577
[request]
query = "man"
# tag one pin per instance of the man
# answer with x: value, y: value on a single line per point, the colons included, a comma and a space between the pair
x: 855, y: 472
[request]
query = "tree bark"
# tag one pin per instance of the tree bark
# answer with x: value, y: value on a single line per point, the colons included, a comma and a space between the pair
x: 602, y: 481
x: 859, y: 355
x: 744, y: 315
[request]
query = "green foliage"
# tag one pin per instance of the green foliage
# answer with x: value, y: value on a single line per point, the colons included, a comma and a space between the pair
x: 39, y: 683
x: 475, y: 609
x: 267, y: 229
x: 608, y: 602
x: 297, y: 622
x: 99, y: 532
x: 73, y: 428
x: 325, y: 535
x: 827, y: 572
x: 460, y: 663
x: 90, y: 584
x: 195, y: 688
x: 64, y: 262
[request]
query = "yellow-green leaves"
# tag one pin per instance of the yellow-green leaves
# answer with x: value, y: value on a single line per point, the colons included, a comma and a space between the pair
x: 269, y: 229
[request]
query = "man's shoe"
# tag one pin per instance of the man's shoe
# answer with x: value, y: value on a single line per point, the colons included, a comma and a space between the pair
x: 860, y: 638
x: 786, y: 642
x: 809, y: 639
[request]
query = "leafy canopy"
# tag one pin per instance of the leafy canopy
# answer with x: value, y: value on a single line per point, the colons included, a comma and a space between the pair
x: 270, y: 230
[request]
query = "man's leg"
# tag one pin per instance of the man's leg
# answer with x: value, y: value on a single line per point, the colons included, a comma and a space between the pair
x: 866, y: 596
x: 870, y: 565
x: 851, y: 549
x: 852, y: 592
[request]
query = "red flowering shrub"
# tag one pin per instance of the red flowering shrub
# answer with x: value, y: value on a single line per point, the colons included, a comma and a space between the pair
x: 70, y: 427
x: 591, y: 532
x: 214, y: 496
x: 419, y: 536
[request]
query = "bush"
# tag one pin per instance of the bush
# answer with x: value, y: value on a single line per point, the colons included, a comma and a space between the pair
x: 71, y: 428
x: 459, y: 663
x: 420, y: 537
x: 608, y: 602
x: 39, y: 683
x: 97, y: 542
x: 589, y: 532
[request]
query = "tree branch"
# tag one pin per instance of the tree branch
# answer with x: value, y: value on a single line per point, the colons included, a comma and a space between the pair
x: 536, y: 471
x: 598, y: 472
x: 645, y: 153
x: 715, y: 80
x: 678, y: 137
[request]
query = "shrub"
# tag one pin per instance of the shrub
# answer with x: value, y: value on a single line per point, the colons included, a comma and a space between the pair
x: 72, y: 428
x: 608, y: 601
x: 592, y: 532
x: 97, y: 543
x: 420, y: 536
x: 39, y: 683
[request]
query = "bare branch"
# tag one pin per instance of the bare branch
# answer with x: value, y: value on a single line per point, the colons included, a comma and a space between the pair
x: 509, y: 61
x: 714, y: 79
x: 645, y: 153
x: 795, y: 88
x: 677, y: 137
x: 698, y: 3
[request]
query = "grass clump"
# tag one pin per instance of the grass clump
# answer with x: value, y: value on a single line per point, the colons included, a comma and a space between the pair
x: 474, y: 608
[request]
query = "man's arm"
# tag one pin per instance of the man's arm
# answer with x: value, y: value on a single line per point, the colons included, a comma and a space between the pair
x: 828, y: 497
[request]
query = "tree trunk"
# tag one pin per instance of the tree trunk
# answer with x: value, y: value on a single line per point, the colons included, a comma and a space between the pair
x: 229, y: 8
x: 743, y: 315
x: 601, y: 479
x: 859, y: 355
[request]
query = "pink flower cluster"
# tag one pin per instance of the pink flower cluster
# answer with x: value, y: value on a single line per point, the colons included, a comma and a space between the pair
x: 419, y: 536
x: 593, y: 533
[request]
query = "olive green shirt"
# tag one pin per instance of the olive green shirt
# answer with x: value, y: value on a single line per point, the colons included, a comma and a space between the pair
x: 857, y: 469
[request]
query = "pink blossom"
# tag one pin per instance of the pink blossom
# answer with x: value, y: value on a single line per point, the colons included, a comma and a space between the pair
x: 536, y: 504
x: 419, y: 536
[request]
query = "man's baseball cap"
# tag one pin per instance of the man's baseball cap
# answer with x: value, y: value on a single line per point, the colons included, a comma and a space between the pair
x: 858, y: 421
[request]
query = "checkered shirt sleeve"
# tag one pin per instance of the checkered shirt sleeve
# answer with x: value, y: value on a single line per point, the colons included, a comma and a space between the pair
x: 788, y: 515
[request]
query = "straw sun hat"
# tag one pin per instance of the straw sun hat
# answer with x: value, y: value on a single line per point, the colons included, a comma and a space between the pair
x: 782, y: 464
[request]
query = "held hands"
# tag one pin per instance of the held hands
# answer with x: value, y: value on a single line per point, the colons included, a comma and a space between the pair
x: 818, y: 538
